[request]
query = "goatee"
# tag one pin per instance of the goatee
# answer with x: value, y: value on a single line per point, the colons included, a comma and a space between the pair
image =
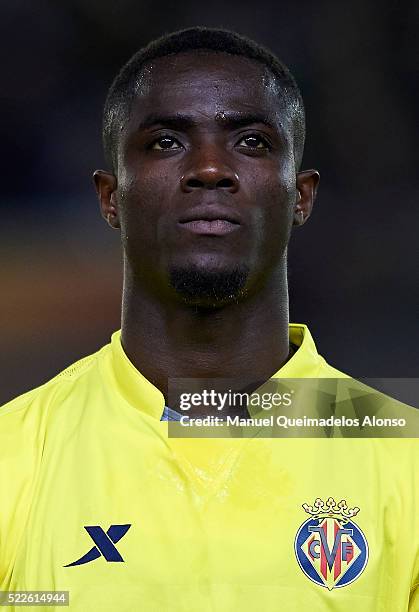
x: 209, y: 289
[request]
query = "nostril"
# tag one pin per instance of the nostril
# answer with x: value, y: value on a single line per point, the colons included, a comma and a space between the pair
x: 225, y: 183
x: 209, y: 179
x: 195, y: 183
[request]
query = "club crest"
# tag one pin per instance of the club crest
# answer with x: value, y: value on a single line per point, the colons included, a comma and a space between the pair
x: 330, y: 548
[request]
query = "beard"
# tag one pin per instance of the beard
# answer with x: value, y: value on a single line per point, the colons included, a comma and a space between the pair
x: 209, y: 289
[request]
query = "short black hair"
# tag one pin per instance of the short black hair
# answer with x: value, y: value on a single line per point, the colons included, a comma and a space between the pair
x: 122, y: 92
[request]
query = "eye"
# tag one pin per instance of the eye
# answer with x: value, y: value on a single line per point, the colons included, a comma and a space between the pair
x: 253, y: 141
x: 165, y: 143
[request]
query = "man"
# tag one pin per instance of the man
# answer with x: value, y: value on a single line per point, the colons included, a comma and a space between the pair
x: 204, y: 134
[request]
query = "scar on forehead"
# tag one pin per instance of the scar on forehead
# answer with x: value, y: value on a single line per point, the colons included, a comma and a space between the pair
x: 220, y: 116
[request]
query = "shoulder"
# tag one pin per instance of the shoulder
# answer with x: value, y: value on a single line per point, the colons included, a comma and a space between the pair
x: 23, y: 420
x: 34, y: 403
x: 328, y: 371
x: 24, y: 425
x: 380, y: 413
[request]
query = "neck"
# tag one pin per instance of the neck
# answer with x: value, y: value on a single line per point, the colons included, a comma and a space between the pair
x: 172, y: 340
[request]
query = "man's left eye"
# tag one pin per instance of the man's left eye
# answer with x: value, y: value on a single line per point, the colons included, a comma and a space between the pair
x: 253, y: 141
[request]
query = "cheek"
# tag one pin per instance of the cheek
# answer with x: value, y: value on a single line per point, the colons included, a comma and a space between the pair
x: 139, y: 200
x: 274, y: 216
x: 137, y: 208
x: 145, y: 214
x: 275, y: 193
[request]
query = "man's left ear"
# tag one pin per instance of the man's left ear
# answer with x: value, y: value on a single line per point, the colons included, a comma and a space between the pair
x: 307, y: 183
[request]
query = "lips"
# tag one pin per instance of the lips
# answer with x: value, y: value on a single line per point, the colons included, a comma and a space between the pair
x: 210, y: 221
x: 216, y: 227
x: 211, y: 213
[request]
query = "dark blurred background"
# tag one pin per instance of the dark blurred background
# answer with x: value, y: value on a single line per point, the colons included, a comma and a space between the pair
x: 354, y: 274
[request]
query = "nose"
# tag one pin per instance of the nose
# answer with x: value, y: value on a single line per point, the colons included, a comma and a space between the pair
x: 209, y: 171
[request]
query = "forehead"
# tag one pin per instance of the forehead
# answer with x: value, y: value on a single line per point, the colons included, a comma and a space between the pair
x: 205, y: 83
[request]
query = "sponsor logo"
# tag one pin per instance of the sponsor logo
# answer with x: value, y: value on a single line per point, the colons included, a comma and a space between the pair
x: 104, y: 544
x: 330, y: 547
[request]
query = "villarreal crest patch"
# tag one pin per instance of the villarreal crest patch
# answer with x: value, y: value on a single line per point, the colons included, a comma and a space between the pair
x: 330, y: 547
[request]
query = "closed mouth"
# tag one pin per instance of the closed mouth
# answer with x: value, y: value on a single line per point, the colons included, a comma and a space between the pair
x: 210, y: 213
x: 210, y: 227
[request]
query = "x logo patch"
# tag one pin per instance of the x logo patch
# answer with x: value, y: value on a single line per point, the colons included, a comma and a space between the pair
x: 104, y: 544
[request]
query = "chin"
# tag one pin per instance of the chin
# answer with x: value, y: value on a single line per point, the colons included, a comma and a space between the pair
x: 209, y: 288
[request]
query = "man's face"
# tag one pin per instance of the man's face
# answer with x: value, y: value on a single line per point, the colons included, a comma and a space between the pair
x: 206, y: 180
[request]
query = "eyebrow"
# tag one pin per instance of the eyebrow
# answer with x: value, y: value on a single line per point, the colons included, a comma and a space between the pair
x: 238, y: 119
x: 227, y: 120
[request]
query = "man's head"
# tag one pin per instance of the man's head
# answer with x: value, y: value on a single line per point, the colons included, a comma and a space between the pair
x: 125, y: 86
x: 204, y: 131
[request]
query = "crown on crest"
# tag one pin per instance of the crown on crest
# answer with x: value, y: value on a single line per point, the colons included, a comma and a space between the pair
x: 330, y: 508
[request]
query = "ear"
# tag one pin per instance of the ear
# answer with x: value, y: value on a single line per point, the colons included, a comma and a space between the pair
x: 105, y: 184
x: 307, y: 182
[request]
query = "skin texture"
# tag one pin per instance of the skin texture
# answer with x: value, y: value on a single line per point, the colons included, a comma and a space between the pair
x: 206, y: 164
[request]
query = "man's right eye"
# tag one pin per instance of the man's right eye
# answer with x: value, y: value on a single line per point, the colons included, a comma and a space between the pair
x: 165, y: 143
